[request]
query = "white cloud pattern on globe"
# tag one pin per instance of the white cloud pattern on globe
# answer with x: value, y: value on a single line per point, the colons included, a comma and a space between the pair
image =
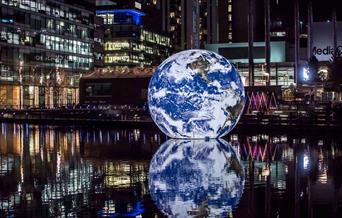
x: 196, y: 94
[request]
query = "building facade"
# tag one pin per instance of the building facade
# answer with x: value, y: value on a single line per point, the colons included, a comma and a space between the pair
x: 191, y: 24
x: 282, y: 70
x: 128, y: 43
x: 45, y: 47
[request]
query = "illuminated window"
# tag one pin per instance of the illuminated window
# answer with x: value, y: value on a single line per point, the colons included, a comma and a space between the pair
x: 110, y: 18
x: 229, y: 17
x: 119, y: 45
x: 50, y: 24
x: 104, y: 16
x: 229, y: 8
x: 117, y: 58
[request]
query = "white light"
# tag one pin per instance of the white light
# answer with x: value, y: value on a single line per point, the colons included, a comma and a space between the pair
x: 305, y: 161
x: 306, y: 74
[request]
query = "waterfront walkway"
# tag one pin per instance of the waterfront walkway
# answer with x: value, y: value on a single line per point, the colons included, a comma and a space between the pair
x: 134, y: 117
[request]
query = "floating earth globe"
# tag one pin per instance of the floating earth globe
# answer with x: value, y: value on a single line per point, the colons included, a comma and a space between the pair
x: 196, y: 178
x: 196, y: 94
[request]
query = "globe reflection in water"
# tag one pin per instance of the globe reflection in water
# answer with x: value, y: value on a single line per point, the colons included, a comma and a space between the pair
x: 196, y: 178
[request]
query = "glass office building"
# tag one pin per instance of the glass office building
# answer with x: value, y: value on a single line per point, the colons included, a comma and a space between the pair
x: 45, y: 46
x: 282, y: 69
x: 128, y: 43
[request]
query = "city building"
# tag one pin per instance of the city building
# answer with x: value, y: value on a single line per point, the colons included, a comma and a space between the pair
x: 127, y: 41
x: 191, y: 24
x: 45, y: 47
x: 282, y: 70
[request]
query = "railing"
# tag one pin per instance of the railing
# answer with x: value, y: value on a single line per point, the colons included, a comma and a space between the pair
x: 317, y: 117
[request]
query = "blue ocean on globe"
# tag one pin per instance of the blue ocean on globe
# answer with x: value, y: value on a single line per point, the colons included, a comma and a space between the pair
x: 196, y: 94
x: 196, y: 178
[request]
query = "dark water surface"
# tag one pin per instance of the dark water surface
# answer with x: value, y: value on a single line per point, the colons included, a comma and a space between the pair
x: 49, y: 171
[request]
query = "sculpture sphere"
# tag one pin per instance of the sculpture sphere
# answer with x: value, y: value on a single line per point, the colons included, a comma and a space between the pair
x: 196, y: 94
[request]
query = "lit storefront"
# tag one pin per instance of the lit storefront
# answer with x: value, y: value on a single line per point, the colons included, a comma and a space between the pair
x: 282, y: 72
x: 45, y: 48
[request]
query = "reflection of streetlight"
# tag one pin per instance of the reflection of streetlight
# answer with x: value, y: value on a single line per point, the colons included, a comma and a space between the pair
x: 21, y: 64
x: 306, y: 161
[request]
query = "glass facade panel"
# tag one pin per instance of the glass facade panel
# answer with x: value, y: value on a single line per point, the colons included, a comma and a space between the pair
x: 45, y: 46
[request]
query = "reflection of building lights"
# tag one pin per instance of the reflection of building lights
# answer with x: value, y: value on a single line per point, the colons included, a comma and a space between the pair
x: 264, y: 137
x: 234, y: 137
x: 283, y: 138
x: 41, y: 80
x: 31, y: 88
x: 323, y: 176
x: 305, y: 161
x: 58, y: 78
x: 275, y: 140
x: 265, y: 171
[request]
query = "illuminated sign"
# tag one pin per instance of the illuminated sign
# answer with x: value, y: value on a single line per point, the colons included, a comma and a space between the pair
x: 325, y: 51
x: 51, y: 58
x: 323, y: 39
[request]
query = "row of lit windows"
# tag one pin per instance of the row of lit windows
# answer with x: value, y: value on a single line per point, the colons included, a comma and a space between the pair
x: 74, y: 62
x: 230, y: 19
x: 107, y: 18
x: 60, y: 44
x: 125, y: 58
x: 284, y: 75
x: 62, y: 28
x: 43, y: 7
x: 113, y: 46
x: 39, y: 23
x: 154, y: 38
x: 64, y: 61
x: 119, y: 18
x: 123, y: 45
x: 56, y: 43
